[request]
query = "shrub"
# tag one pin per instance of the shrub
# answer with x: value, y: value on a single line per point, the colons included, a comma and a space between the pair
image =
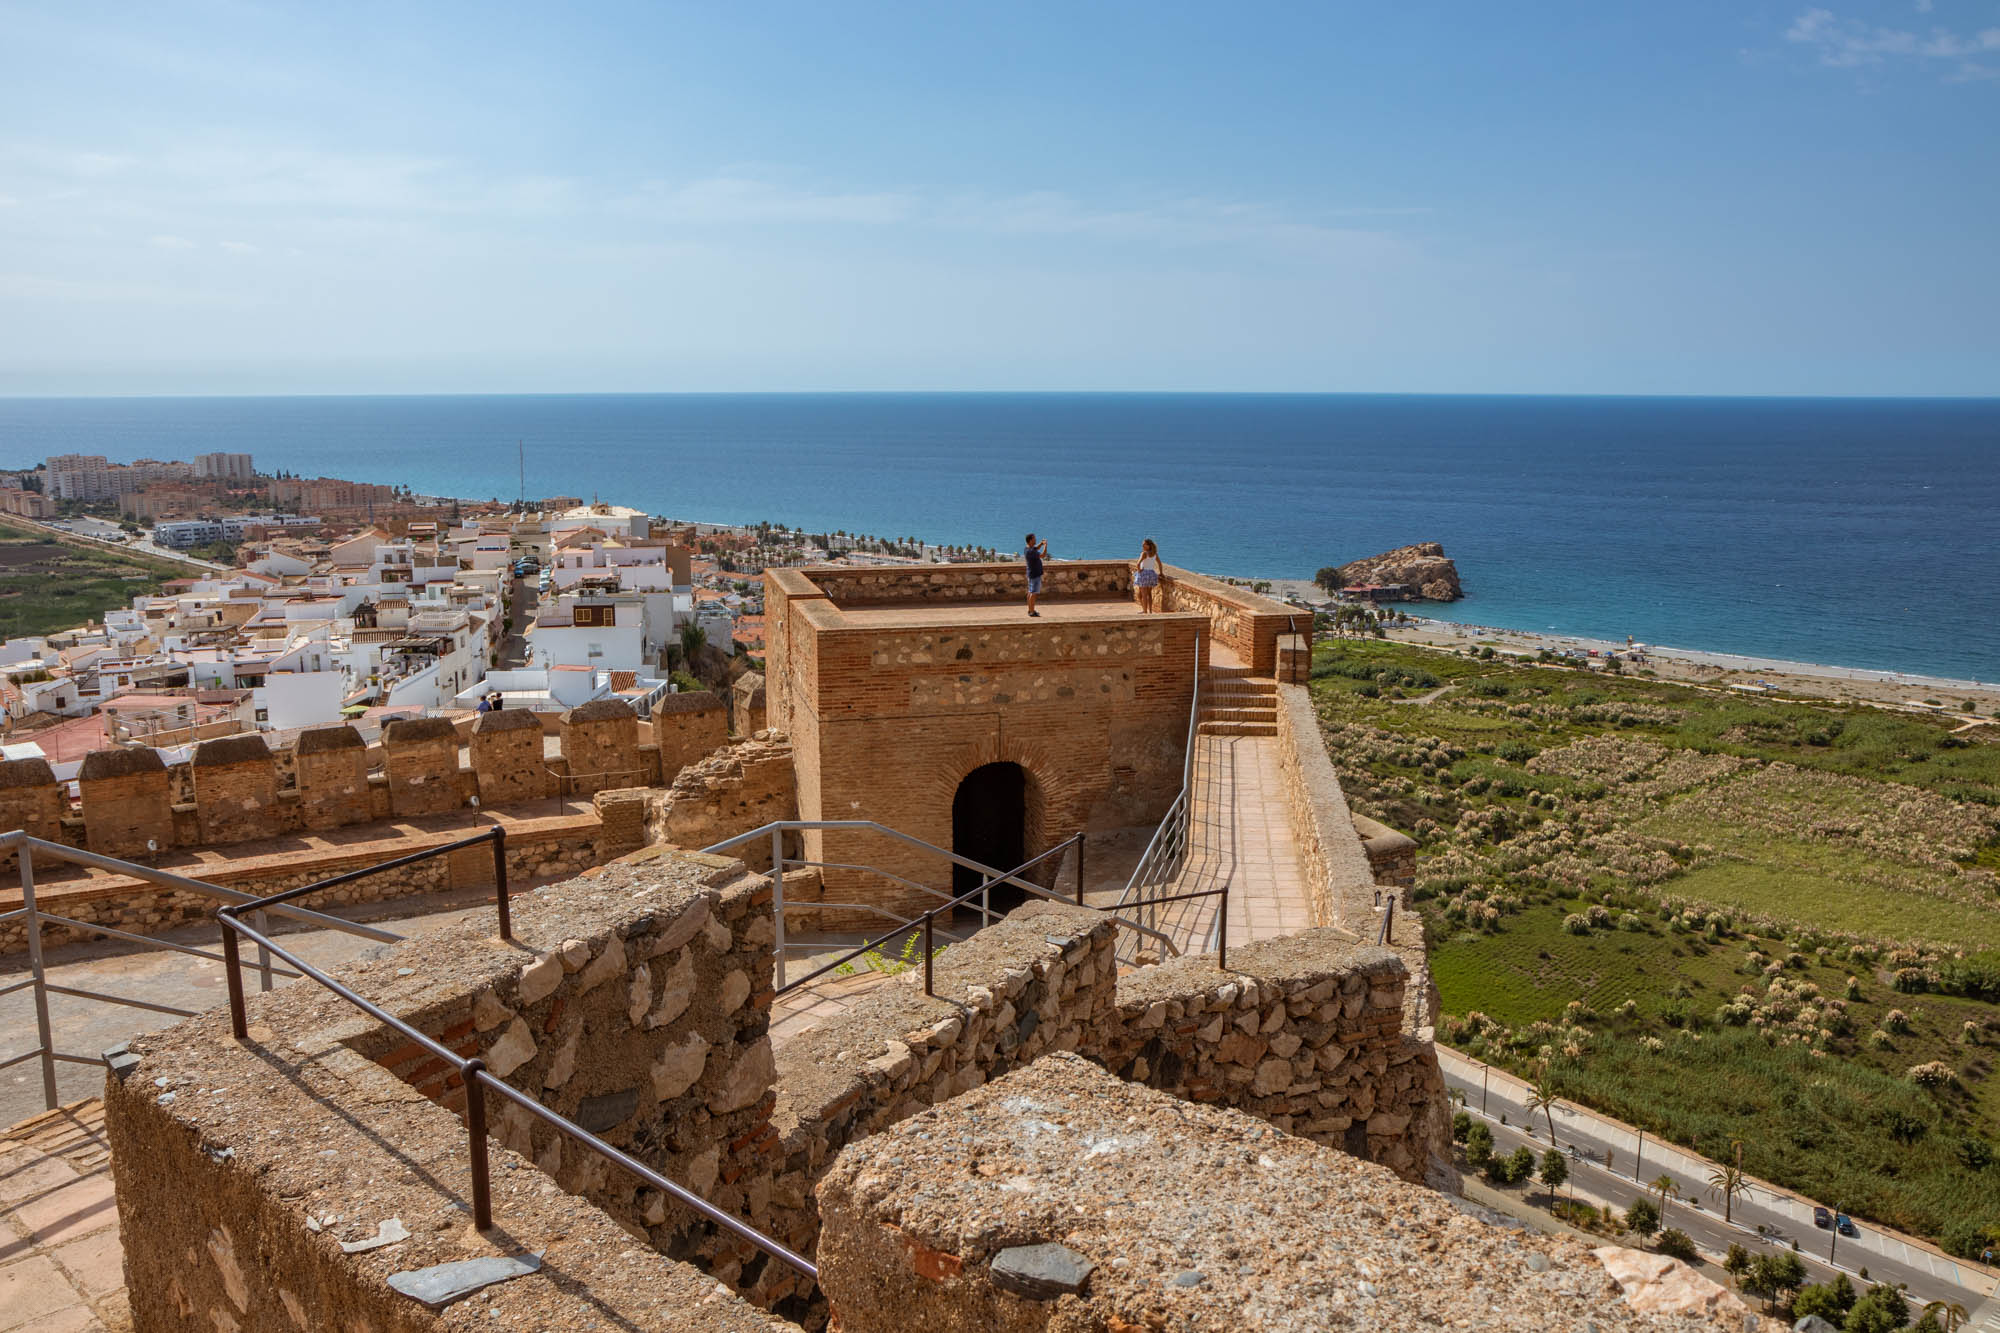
x: 1676, y: 1244
x: 1882, y: 1310
x: 1576, y: 923
x: 1478, y: 1144
x: 1461, y: 1125
x: 1630, y: 921
x: 1937, y: 1074
x: 1828, y: 1300
x: 1643, y: 1217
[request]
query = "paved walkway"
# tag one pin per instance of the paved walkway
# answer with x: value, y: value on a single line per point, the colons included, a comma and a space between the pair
x: 1241, y: 838
x: 61, y: 1268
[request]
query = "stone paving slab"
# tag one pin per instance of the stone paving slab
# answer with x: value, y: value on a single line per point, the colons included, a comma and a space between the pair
x: 60, y: 1263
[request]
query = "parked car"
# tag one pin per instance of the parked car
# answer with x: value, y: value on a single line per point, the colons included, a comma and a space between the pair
x: 1844, y: 1225
x: 1822, y: 1219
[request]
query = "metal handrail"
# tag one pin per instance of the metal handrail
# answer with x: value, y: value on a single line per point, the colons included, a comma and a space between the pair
x: 477, y: 1081
x: 27, y: 846
x: 926, y: 921
x: 1385, y: 934
x: 777, y: 828
x: 1179, y: 812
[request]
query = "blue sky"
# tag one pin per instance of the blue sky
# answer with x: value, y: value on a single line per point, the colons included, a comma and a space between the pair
x: 1716, y: 196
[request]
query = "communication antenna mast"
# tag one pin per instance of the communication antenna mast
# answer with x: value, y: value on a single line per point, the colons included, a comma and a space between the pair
x: 521, y: 500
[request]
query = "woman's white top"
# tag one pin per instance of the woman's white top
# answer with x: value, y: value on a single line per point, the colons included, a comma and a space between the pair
x: 1151, y: 562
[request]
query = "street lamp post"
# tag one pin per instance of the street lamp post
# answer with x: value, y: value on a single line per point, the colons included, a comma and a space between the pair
x: 1834, y: 1239
x: 1485, y: 1078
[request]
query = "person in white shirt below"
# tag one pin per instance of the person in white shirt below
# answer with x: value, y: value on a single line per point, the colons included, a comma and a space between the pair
x: 1146, y: 579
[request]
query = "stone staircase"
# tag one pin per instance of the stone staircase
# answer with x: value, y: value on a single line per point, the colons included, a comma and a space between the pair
x: 1236, y: 703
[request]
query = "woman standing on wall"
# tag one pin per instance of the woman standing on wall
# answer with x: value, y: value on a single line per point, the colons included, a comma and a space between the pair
x: 1146, y: 578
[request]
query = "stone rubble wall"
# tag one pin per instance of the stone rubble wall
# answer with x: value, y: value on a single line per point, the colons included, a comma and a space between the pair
x: 636, y: 1002
x: 631, y: 1003
x: 1304, y: 1032
x: 734, y: 790
x: 1041, y: 980
x: 1345, y: 892
x: 1059, y: 1198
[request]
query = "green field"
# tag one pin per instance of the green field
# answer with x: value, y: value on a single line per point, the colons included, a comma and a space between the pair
x: 1659, y: 894
x: 46, y: 586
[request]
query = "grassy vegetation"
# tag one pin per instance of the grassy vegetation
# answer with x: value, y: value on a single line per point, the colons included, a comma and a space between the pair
x: 47, y: 585
x: 1716, y: 917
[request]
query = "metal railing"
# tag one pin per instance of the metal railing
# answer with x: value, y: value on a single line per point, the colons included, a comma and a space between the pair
x: 34, y: 919
x: 1169, y: 850
x: 472, y: 1070
x: 993, y: 877
x: 928, y: 921
x: 1385, y: 933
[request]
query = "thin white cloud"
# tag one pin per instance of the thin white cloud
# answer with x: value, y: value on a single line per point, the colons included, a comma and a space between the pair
x: 165, y: 242
x: 1844, y: 43
x: 742, y: 199
x: 238, y: 247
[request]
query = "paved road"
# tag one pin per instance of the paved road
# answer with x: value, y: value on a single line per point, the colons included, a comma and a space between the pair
x: 1785, y: 1218
x: 523, y: 605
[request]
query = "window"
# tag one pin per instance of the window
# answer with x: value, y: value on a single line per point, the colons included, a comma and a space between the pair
x: 263, y: 715
x: 596, y: 650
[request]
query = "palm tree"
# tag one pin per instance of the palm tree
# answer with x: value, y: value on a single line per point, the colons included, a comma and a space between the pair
x: 1728, y: 1181
x: 1949, y: 1314
x: 1666, y: 1189
x: 1542, y: 1097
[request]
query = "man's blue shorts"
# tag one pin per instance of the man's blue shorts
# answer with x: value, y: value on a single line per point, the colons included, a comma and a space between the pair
x: 1035, y: 586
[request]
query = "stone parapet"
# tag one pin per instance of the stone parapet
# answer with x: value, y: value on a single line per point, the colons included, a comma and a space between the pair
x: 127, y: 802
x: 1248, y: 625
x: 420, y: 762
x: 549, y: 846
x: 507, y: 758
x: 235, y: 790
x: 600, y: 741
x: 30, y: 800
x: 1042, y: 980
x: 687, y: 728
x: 1304, y: 1032
x: 1058, y: 1198
x: 244, y: 1170
x: 1392, y: 856
x: 330, y: 773
x: 734, y: 790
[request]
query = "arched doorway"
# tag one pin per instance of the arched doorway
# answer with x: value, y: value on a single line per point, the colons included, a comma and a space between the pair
x: 989, y: 817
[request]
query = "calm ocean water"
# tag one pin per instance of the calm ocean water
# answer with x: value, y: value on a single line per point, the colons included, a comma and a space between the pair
x: 1849, y: 532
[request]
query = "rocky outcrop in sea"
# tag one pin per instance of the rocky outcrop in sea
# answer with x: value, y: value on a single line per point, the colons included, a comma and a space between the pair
x: 1423, y: 569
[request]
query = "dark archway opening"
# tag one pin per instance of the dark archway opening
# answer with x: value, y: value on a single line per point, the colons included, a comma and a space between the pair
x: 989, y: 817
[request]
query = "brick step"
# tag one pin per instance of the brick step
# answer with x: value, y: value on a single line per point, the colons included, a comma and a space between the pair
x: 1238, y: 690
x: 1233, y: 714
x: 1238, y: 728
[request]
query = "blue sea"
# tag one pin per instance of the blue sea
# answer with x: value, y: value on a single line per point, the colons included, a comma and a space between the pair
x: 1839, y: 531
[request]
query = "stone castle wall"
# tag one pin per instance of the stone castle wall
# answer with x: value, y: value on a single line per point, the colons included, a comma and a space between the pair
x: 237, y: 797
x: 1350, y: 869
x: 636, y: 1003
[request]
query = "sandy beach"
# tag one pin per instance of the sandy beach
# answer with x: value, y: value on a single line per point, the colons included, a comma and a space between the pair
x: 1891, y: 689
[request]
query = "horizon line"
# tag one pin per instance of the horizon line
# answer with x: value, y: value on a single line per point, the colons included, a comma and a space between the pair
x: 1024, y: 393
